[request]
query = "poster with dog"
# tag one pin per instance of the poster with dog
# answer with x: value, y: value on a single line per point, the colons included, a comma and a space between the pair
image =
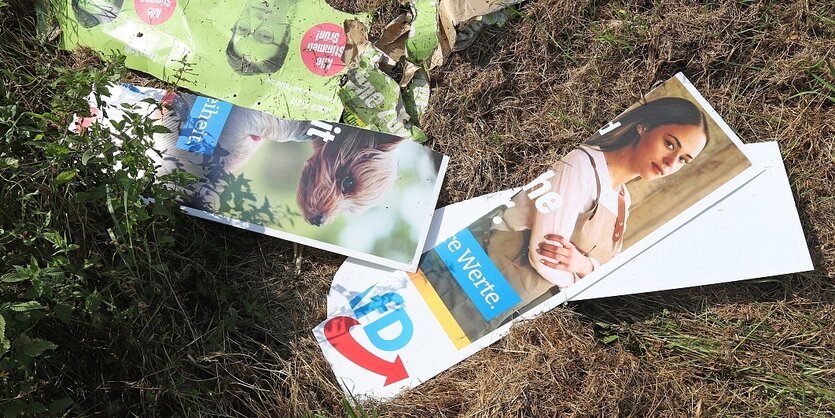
x: 280, y: 56
x: 337, y: 187
x: 663, y: 161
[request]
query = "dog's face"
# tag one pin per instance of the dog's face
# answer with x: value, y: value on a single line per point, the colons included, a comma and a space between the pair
x: 348, y: 174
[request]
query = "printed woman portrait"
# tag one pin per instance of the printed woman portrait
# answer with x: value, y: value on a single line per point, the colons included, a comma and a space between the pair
x: 568, y: 222
x: 91, y: 13
x: 653, y: 164
x: 542, y: 252
x: 260, y: 37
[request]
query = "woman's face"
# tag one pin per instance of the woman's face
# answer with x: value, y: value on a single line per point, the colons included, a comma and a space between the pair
x: 663, y: 150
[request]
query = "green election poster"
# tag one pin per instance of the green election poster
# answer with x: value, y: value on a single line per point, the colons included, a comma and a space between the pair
x: 279, y: 56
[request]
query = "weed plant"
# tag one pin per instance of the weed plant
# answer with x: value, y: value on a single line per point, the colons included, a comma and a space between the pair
x: 79, y: 249
x: 89, y: 268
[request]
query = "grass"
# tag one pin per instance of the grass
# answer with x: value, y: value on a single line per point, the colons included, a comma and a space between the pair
x: 111, y: 307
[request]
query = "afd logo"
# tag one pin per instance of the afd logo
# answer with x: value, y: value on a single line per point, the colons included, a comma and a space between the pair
x: 338, y: 333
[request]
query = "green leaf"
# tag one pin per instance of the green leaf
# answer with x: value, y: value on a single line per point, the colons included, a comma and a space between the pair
x: 25, y: 306
x: 86, y: 157
x: 160, y: 129
x: 36, y: 408
x: 4, y: 342
x: 610, y: 339
x: 33, y: 347
x: 63, y: 312
x: 9, y: 162
x: 58, y: 406
x: 65, y: 176
x: 92, y: 302
x: 36, y: 315
x: 13, y: 278
x: 52, y: 149
x: 14, y: 408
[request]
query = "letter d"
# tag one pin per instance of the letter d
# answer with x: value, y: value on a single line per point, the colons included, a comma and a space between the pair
x: 373, y: 329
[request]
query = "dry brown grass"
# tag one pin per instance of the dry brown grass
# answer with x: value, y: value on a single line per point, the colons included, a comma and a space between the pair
x: 504, y: 110
x: 522, y: 95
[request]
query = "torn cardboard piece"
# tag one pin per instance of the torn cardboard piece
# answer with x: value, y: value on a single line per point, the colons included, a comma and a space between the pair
x: 356, y: 41
x: 371, y: 98
x: 462, y: 10
x: 442, y: 27
x: 368, y: 92
x: 392, y: 41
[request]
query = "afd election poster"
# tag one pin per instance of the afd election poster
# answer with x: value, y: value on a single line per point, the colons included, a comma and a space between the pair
x: 279, y: 56
x: 655, y: 166
x: 741, y: 223
x: 337, y: 187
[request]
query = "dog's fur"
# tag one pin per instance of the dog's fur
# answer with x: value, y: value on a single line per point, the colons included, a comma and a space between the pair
x: 351, y: 173
x: 348, y: 174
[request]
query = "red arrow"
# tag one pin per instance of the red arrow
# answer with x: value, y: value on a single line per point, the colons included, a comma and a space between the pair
x: 337, y: 332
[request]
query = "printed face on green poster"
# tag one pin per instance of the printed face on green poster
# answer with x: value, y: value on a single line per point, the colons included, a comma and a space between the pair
x: 260, y: 37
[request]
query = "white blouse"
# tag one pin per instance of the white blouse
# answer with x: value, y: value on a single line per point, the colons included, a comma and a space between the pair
x: 574, y: 181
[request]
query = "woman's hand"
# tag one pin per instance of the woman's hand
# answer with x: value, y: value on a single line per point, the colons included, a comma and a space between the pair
x: 564, y: 256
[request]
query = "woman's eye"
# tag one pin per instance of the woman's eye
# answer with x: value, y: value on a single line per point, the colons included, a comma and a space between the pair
x: 683, y: 160
x: 347, y: 185
x: 668, y: 144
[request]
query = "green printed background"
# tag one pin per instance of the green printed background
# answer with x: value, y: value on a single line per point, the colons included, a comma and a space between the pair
x: 187, y: 45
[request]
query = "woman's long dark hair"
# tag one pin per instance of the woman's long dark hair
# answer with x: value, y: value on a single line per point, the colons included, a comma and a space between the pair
x: 664, y: 111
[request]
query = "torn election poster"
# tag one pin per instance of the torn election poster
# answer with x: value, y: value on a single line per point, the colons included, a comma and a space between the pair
x: 561, y: 234
x: 280, y: 56
x: 344, y: 189
x: 734, y: 218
